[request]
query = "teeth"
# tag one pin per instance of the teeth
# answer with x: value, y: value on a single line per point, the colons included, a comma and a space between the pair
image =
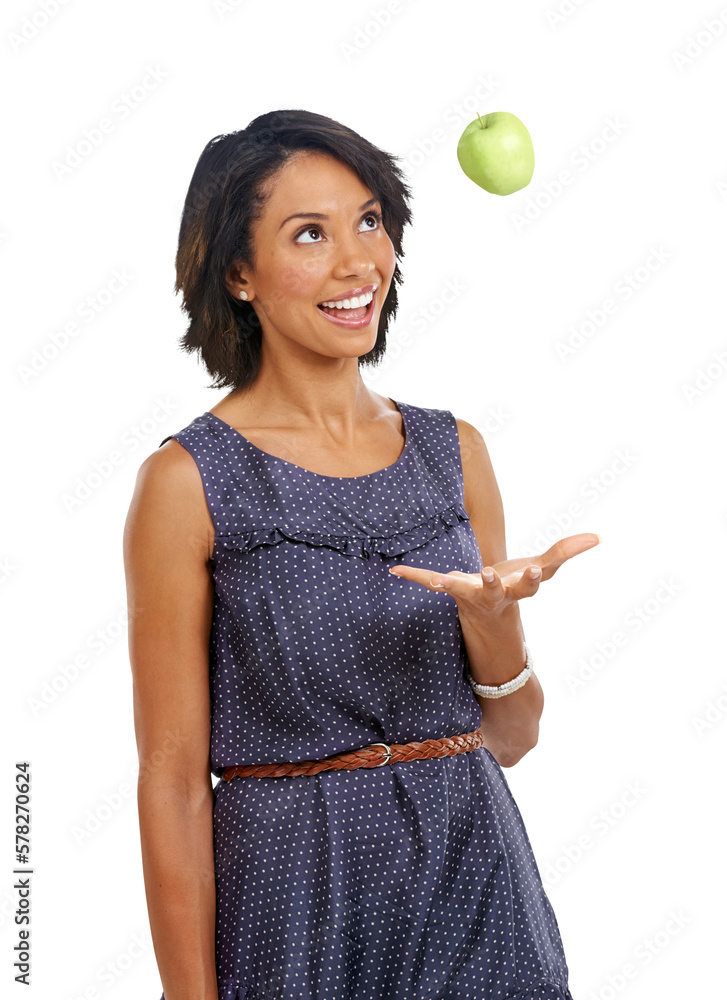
x: 355, y: 303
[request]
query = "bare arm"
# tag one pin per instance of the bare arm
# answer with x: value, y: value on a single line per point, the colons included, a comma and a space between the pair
x: 510, y: 725
x: 167, y: 544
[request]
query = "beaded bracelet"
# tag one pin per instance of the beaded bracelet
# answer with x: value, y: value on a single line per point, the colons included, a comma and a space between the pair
x: 500, y: 690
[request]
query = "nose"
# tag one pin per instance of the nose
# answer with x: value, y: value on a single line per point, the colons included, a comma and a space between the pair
x: 352, y: 258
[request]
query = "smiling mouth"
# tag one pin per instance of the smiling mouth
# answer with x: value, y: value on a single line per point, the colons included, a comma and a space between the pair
x: 350, y: 317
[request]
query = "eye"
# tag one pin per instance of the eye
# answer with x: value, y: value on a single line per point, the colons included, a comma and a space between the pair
x: 308, y: 229
x: 376, y: 216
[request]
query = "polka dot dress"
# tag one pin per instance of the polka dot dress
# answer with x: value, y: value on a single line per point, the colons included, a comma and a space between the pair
x: 409, y: 881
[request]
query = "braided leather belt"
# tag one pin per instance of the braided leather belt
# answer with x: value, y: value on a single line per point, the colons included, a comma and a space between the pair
x: 367, y: 756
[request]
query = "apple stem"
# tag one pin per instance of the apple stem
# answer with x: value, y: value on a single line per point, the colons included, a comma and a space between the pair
x: 482, y: 124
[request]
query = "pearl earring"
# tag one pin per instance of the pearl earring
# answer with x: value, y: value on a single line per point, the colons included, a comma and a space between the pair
x: 243, y: 295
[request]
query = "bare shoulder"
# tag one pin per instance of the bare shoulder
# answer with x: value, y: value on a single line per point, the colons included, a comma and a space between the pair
x: 479, y: 476
x: 169, y: 496
x: 482, y: 498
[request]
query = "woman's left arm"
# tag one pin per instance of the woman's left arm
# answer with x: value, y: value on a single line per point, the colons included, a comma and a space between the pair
x: 496, y: 649
x: 488, y: 607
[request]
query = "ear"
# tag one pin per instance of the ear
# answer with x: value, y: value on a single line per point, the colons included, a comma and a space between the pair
x: 236, y: 281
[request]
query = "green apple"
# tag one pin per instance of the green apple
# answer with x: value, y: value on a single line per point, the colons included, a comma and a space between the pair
x: 496, y: 152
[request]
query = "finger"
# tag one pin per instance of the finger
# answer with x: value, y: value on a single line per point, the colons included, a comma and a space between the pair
x: 554, y: 557
x: 457, y: 583
x: 493, y: 589
x: 567, y: 548
x: 499, y: 590
x: 528, y: 583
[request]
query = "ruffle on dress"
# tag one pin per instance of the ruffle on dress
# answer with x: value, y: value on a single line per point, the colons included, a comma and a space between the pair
x: 364, y: 546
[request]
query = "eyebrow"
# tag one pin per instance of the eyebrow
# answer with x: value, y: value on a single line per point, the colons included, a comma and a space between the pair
x: 319, y: 215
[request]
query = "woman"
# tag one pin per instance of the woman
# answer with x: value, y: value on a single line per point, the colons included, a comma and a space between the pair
x: 268, y: 629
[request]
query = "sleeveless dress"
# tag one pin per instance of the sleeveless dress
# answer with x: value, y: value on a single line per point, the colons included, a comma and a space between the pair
x: 411, y: 881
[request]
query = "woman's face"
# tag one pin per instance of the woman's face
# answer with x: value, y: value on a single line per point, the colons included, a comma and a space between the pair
x: 304, y: 261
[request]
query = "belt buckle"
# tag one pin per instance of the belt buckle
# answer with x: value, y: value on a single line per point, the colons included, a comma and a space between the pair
x: 388, y: 753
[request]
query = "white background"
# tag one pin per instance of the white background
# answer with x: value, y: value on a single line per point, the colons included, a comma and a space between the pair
x: 623, y: 795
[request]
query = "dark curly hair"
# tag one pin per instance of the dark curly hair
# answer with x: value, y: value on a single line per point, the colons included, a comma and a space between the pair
x: 225, y: 199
